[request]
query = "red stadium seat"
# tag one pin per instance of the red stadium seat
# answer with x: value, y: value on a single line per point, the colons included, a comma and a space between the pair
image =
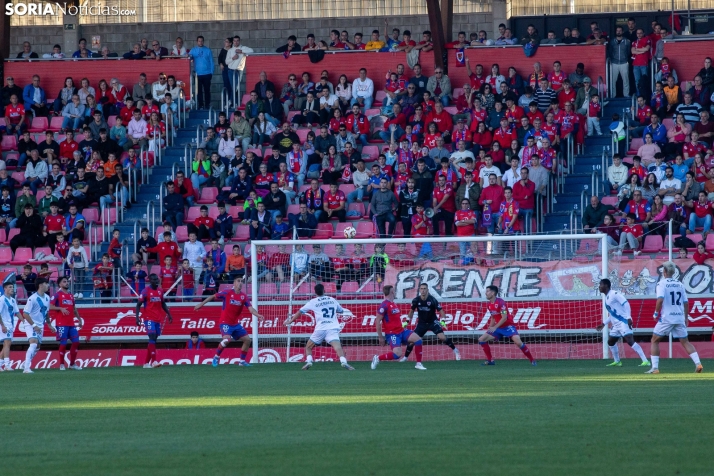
x: 39, y: 124
x: 370, y: 153
x: 302, y: 134
x: 22, y: 256
x: 9, y: 142
x: 111, y: 121
x: 91, y: 215
x: 182, y: 233
x: 56, y: 124
x: 324, y: 231
x: 268, y: 152
x: 257, y: 152
x: 653, y: 244
x: 5, y: 255
x: 193, y: 213
x: 208, y: 195
x: 379, y: 98
x: 242, y: 233
x: 365, y: 229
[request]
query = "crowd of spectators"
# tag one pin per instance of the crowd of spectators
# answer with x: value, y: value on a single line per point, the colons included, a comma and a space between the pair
x: 420, y: 157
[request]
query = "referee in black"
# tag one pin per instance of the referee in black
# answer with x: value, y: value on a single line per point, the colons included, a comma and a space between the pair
x: 427, y: 306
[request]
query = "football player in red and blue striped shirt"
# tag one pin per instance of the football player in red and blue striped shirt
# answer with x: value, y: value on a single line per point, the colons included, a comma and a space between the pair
x: 154, y: 310
x: 64, y: 323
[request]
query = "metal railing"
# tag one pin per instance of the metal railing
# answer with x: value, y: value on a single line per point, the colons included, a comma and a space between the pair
x: 187, y: 158
x: 160, y: 197
x: 194, y: 88
x: 608, y: 78
x: 151, y: 217
x: 137, y: 233
x: 182, y: 106
x: 225, y: 100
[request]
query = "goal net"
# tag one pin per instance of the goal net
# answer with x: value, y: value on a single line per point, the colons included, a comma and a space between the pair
x: 550, y: 284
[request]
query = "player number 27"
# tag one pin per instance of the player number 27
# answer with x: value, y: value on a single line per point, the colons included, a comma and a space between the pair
x: 328, y: 313
x: 676, y: 298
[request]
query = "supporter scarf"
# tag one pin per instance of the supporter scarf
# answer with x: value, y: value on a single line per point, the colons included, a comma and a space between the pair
x: 286, y: 54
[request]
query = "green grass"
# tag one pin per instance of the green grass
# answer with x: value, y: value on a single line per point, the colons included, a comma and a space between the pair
x: 563, y: 417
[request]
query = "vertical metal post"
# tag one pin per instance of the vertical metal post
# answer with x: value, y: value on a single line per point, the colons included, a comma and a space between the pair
x: 254, y: 296
x: 605, y: 350
x: 290, y: 299
x: 669, y: 245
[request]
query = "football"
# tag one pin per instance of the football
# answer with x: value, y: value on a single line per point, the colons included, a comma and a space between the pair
x: 350, y: 232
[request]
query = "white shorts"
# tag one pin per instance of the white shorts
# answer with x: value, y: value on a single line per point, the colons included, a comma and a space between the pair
x: 31, y: 334
x: 620, y: 330
x: 327, y: 335
x: 10, y: 330
x: 663, y: 329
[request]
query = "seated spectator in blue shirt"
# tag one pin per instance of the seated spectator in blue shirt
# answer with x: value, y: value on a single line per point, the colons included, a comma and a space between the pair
x: 280, y: 228
x: 195, y: 342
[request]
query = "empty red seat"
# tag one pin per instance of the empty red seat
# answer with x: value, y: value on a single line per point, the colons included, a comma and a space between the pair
x: 39, y: 124
x: 22, y: 256
x: 324, y: 231
x: 653, y: 244
x: 182, y: 233
x: 91, y: 215
x: 242, y: 233
x: 9, y: 142
x: 365, y: 229
x: 208, y: 195
x: 56, y: 124
x: 5, y: 254
x: 193, y: 213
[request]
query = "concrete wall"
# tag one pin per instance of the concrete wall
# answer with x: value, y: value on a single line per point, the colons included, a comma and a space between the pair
x: 263, y: 36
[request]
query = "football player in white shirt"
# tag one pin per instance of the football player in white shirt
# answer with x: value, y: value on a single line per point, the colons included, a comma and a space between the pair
x: 325, y: 310
x: 671, y: 314
x: 35, y: 315
x: 8, y: 311
x: 620, y: 319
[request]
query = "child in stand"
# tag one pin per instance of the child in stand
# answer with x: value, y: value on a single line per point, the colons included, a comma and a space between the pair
x: 187, y: 279
x: 249, y: 207
x: 235, y: 263
x: 137, y: 278
x: 28, y: 278
x: 115, y: 249
x: 61, y: 250
x: 168, y: 276
x: 45, y: 272
x: 617, y: 129
x: 118, y: 132
x: 78, y: 263
x: 594, y: 109
x: 102, y: 277
x: 210, y: 278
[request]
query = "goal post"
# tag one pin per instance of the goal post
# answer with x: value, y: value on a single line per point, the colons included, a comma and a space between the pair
x: 550, y: 283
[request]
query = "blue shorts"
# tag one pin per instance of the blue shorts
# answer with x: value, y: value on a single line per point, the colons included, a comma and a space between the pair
x: 236, y: 331
x: 189, y: 292
x: 507, y: 331
x: 395, y: 340
x: 153, y: 328
x: 67, y: 332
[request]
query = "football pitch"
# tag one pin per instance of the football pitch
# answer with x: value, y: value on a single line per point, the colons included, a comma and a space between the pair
x: 562, y: 417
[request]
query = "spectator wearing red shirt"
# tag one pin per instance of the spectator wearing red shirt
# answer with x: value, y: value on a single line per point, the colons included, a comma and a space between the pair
x: 102, y: 278
x: 334, y: 205
x: 398, y: 120
x: 54, y: 224
x: 481, y: 137
x: 68, y: 146
x: 513, y: 113
x: 631, y: 234
x: 422, y: 226
x: 556, y: 78
x: 524, y: 194
x: 641, y: 53
x: 459, y: 43
x: 567, y: 94
x: 476, y: 78
x: 548, y: 156
x: 694, y: 147
x: 702, y: 216
x: 184, y: 188
x: 444, y: 206
x: 335, y: 43
x: 165, y: 248
x: 478, y: 115
x: 640, y: 209
x: 167, y: 273
x: 203, y: 226
x: 15, y: 117
x: 701, y: 254
x: 357, y: 124
x: 551, y: 129
x: 407, y: 43
x: 643, y: 113
x: 279, y: 263
x: 568, y: 121
x: 465, y: 222
x: 508, y: 213
x: 127, y: 112
x: 503, y: 134
x: 461, y: 133
x: 446, y: 171
x: 491, y: 198
x: 637, y: 168
x: 442, y: 119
